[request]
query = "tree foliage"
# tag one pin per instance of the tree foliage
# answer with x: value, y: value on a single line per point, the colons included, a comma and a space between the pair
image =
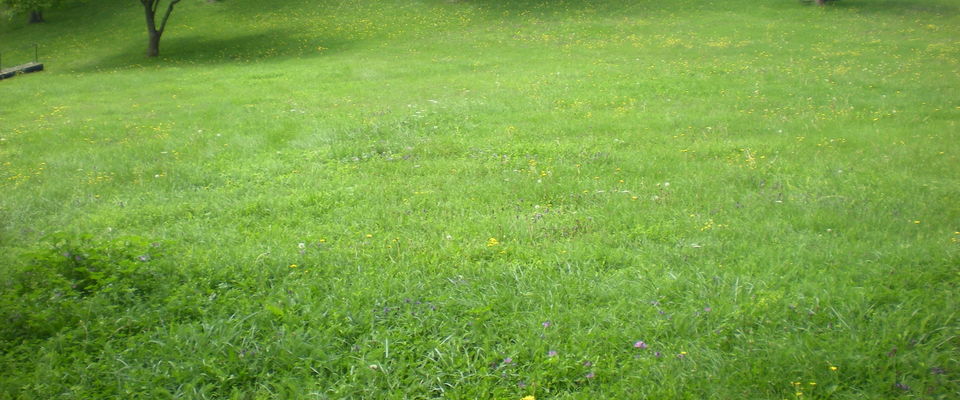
x: 33, y: 7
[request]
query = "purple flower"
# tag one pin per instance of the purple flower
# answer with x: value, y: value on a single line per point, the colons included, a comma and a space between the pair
x: 521, y: 385
x: 707, y: 309
x: 507, y: 360
x: 587, y: 364
x: 546, y: 324
x: 902, y: 387
x: 640, y: 345
x: 657, y: 354
x: 144, y: 258
x: 590, y: 375
x: 552, y: 353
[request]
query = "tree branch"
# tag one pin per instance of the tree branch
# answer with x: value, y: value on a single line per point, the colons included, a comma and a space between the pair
x: 166, y: 16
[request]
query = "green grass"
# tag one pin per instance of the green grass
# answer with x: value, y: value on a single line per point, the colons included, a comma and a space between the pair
x: 388, y: 199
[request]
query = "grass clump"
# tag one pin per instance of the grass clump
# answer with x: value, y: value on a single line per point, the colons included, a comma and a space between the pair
x: 74, y: 280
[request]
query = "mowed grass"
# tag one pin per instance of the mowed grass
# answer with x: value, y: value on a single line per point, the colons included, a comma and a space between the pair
x: 483, y: 199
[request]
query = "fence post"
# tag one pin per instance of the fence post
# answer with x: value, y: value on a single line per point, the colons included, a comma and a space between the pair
x: 36, y: 52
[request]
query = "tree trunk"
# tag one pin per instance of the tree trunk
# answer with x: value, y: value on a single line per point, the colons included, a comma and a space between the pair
x: 153, y: 48
x: 36, y: 16
x: 153, y: 44
x: 153, y: 30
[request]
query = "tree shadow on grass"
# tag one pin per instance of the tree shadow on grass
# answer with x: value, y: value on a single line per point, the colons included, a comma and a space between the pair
x: 197, y: 49
x: 900, y: 7
x: 938, y: 7
x: 609, y: 6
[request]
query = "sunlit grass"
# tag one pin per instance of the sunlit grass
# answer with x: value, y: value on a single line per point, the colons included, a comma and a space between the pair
x: 468, y: 199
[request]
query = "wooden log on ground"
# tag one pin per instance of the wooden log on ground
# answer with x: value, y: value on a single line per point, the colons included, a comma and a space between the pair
x: 20, y: 69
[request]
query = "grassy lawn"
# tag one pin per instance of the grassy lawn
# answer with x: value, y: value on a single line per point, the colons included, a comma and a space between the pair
x: 483, y: 199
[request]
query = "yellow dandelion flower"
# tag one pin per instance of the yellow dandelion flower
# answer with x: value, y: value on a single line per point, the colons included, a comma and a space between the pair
x: 529, y: 398
x: 832, y: 368
x: 293, y: 265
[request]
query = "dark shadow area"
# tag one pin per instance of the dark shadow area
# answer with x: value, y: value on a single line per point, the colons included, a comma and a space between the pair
x: 532, y: 5
x: 507, y: 9
x: 178, y: 51
x: 242, y: 8
x: 903, y: 7
x: 57, y: 18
